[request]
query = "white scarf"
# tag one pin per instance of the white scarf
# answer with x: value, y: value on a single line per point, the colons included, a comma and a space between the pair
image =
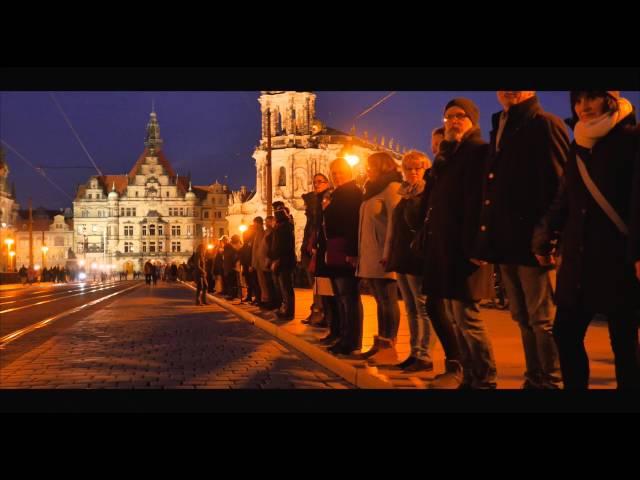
x: 588, y: 133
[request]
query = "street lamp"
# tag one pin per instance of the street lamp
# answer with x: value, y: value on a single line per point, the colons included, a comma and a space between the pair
x: 10, y: 253
x: 352, y: 160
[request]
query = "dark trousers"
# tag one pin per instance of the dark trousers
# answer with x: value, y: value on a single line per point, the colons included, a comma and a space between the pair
x: 231, y: 284
x: 274, y: 291
x: 346, y: 308
x: 385, y: 292
x: 201, y: 289
x: 285, y: 285
x: 254, y: 286
x: 444, y: 328
x: 569, y: 330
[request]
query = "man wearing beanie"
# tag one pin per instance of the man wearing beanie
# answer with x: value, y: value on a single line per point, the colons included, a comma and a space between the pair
x: 529, y: 149
x: 454, y: 284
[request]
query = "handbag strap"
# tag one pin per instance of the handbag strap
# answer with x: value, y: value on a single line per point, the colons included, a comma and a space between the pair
x: 599, y: 197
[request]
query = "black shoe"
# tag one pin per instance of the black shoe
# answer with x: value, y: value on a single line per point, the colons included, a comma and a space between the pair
x: 409, y: 361
x: 329, y: 339
x: 284, y: 316
x: 419, y: 366
x: 339, y: 349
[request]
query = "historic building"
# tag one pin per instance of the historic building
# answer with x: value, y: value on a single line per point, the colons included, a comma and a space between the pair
x: 51, y: 229
x: 151, y: 213
x: 8, y: 215
x: 301, y: 147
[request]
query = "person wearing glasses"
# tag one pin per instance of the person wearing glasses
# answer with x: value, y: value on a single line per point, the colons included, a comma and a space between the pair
x: 403, y: 262
x: 529, y: 149
x: 313, y: 212
x: 452, y: 217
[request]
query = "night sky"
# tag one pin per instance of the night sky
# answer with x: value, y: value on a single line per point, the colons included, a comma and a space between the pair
x: 208, y: 134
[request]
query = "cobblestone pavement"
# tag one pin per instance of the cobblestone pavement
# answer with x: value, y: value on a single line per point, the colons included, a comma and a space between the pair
x: 156, y: 338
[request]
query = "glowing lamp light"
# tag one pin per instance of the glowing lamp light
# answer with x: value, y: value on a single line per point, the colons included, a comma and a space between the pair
x: 81, y: 263
x: 210, y: 246
x: 352, y: 160
x: 94, y: 265
x: 36, y: 267
x: 45, y: 249
x: 82, y: 276
x: 12, y: 254
x: 242, y: 228
x: 9, y: 241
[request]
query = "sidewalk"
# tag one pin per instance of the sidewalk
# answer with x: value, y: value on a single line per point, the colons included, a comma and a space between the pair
x: 503, y: 331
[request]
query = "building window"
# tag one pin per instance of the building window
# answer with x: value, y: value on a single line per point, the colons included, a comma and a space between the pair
x: 205, y: 214
x: 128, y: 247
x: 144, y: 247
x: 144, y: 230
x: 175, y: 247
x: 188, y: 229
x: 152, y: 230
x: 89, y: 196
x: 182, y: 212
x: 100, y: 213
x: 175, y: 230
x: 152, y: 247
x: 128, y: 212
x: 167, y: 195
x: 160, y: 246
x: 122, y: 212
x: 136, y: 193
x: 128, y: 230
x: 221, y: 231
x: 282, y: 178
x: 160, y: 229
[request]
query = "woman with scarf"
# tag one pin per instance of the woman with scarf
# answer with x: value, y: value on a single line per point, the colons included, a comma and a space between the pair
x: 403, y: 262
x: 596, y: 218
x: 374, y: 239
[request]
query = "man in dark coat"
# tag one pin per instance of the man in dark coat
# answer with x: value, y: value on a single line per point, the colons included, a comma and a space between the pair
x: 529, y: 148
x: 283, y: 260
x: 337, y: 253
x: 453, y: 208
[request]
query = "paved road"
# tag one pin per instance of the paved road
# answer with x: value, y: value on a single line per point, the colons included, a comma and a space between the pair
x: 156, y: 338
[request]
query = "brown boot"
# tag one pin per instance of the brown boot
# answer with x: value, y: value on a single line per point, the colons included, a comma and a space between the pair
x: 386, y: 355
x: 451, y: 379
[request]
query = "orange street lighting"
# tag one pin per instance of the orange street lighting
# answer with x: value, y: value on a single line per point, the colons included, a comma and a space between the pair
x: 210, y: 246
x: 352, y: 160
x: 9, y: 242
x: 242, y: 228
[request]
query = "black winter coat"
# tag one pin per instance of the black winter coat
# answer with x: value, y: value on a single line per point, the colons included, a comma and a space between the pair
x: 401, y: 259
x: 597, y: 272
x: 340, y: 220
x: 520, y: 182
x: 452, y: 216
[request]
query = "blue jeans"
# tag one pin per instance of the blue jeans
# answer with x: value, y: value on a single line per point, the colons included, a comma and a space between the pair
x: 532, y: 307
x: 476, y: 351
x: 415, y: 303
x: 385, y: 291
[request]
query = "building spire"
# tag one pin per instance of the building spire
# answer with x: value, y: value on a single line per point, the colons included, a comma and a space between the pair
x: 152, y: 139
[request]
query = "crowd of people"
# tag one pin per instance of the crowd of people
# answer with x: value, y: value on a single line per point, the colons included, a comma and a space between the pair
x: 519, y: 207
